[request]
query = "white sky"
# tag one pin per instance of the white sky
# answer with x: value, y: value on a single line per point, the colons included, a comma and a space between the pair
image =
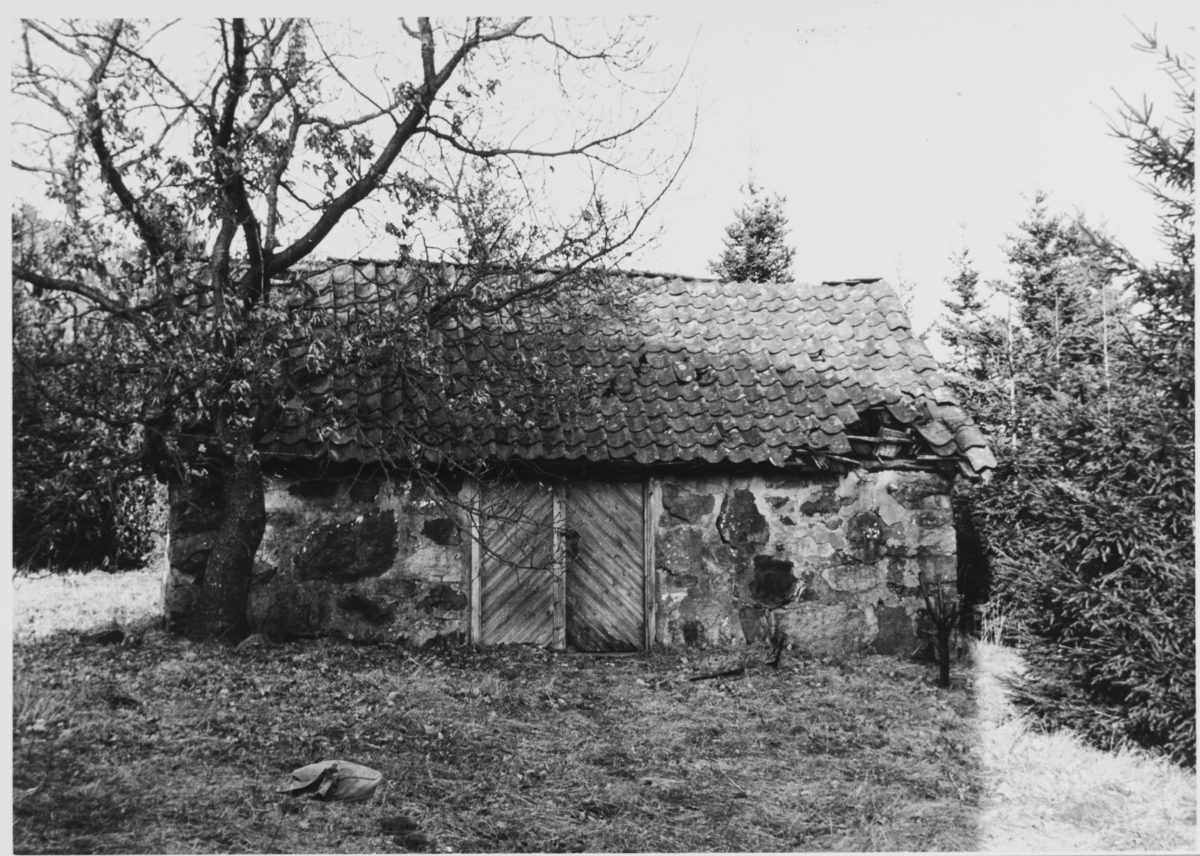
x: 900, y: 130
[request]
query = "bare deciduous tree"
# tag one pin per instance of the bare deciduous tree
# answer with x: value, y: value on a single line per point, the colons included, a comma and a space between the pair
x: 195, y: 173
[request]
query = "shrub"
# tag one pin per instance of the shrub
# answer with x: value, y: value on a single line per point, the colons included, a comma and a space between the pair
x: 1090, y: 541
x: 81, y: 499
x: 77, y: 501
x: 1088, y: 524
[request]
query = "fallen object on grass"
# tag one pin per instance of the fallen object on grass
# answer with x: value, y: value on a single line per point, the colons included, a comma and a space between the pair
x: 730, y: 673
x: 334, y: 780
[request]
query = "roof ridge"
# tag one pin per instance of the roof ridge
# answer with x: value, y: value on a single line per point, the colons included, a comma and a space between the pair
x: 364, y: 260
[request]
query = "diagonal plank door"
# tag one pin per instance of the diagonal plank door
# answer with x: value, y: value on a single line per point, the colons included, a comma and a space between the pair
x: 517, y: 590
x: 605, y: 575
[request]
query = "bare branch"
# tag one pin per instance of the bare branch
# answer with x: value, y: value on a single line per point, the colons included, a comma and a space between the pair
x: 70, y: 286
x: 381, y: 110
x: 154, y: 148
x: 52, y: 37
x: 275, y: 179
x: 46, y: 169
x: 36, y: 75
x: 560, y: 47
x: 151, y: 233
x: 584, y: 149
x: 427, y: 54
x: 374, y: 175
x: 237, y: 85
x: 274, y: 96
x: 188, y: 101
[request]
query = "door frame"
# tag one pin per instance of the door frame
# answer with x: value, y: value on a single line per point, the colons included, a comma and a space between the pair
x: 472, y: 560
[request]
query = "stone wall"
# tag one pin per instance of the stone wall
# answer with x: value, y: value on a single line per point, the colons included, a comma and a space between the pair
x: 830, y: 561
x: 374, y: 558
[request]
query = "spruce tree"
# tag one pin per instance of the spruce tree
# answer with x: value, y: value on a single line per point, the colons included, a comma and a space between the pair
x: 1088, y: 524
x: 980, y: 361
x: 1163, y: 150
x: 1058, y: 281
x: 975, y: 338
x: 754, y: 243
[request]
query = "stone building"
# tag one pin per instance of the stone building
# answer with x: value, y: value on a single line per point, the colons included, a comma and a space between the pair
x: 755, y: 459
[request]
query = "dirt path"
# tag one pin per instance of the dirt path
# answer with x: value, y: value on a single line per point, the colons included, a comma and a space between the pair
x: 1051, y: 793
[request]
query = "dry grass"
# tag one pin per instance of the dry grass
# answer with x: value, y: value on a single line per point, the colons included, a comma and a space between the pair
x: 1051, y: 792
x: 56, y: 603
x: 171, y: 747
x: 165, y: 746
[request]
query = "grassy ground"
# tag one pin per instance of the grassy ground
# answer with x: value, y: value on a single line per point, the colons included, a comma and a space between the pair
x: 165, y: 746
x: 170, y: 747
x: 52, y: 603
x: 1051, y: 792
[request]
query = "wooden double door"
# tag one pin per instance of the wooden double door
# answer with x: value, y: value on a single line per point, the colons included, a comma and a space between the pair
x: 562, y: 564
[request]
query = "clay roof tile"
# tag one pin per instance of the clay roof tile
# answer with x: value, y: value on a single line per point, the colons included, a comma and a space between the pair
x: 770, y: 357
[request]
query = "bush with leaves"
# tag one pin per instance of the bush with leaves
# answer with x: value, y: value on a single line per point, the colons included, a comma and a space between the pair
x: 75, y: 506
x: 81, y: 500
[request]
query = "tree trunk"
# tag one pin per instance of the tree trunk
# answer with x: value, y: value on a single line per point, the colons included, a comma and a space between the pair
x: 943, y: 640
x: 221, y: 611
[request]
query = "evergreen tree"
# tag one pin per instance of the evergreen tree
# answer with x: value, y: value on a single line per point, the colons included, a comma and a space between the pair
x: 1058, y: 279
x: 1088, y: 525
x: 979, y: 364
x: 1164, y: 154
x: 754, y: 243
x: 974, y: 336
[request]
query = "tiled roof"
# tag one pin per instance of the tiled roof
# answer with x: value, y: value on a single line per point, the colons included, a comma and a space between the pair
x: 707, y: 370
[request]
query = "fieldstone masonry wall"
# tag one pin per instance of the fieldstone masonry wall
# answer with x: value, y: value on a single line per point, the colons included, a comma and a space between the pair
x: 832, y: 562
x: 368, y: 559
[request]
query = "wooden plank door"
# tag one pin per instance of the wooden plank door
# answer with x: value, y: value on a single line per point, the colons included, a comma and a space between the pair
x: 518, y: 586
x: 605, y: 552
